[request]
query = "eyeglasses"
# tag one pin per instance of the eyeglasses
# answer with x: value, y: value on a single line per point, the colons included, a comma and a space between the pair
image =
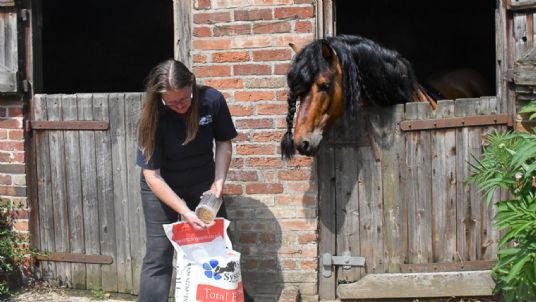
x: 182, y: 101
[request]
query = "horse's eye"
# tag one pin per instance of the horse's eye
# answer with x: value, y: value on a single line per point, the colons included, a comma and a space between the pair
x: 324, y: 87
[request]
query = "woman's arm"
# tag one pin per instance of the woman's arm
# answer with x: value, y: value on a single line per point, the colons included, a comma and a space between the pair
x: 224, y: 152
x: 162, y: 190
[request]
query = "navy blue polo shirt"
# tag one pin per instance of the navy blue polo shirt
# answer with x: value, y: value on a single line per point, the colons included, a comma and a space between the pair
x: 186, y: 165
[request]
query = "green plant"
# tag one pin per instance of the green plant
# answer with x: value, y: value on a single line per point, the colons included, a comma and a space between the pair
x: 12, y: 250
x: 508, y: 161
x: 98, y: 294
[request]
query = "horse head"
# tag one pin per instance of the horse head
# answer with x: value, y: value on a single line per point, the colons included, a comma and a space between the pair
x: 315, y: 79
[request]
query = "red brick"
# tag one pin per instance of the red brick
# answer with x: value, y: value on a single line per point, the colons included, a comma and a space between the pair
x: 236, y: 56
x: 199, y: 58
x: 10, y: 123
x: 5, y: 157
x: 269, y: 176
x: 248, y: 238
x: 225, y: 83
x: 264, y: 188
x: 21, y: 225
x: 308, y: 264
x: 299, y: 186
x: 280, y: 123
x: 252, y: 69
x: 253, y: 41
x: 294, y: 175
x: 249, y: 96
x: 267, y: 238
x: 239, y: 175
x: 307, y: 238
x: 253, y: 15
x: 264, y: 162
x: 202, y: 32
x: 5, y: 179
x: 299, y: 41
x: 270, y: 28
x: 293, y: 12
x: 239, y: 110
x: 281, y: 68
x: 300, y: 161
x: 211, y: 18
x: 207, y: 44
x: 281, y: 95
x: 303, y: 1
x: 15, y: 112
x: 266, y: 82
x: 12, y: 146
x: 18, y: 157
x: 267, y: 264
x: 3, y: 133
x: 296, y: 225
x: 230, y: 189
x: 288, y: 264
x: 17, y: 134
x: 212, y: 71
x: 241, y: 137
x: 295, y: 200
x: 270, y: 136
x: 250, y: 264
x: 273, y: 2
x: 20, y: 214
x: 272, y: 109
x: 232, y: 30
x: 272, y: 55
x: 202, y: 4
x: 255, y: 149
x: 304, y: 27
x: 237, y: 163
x: 3, y: 112
x: 254, y: 123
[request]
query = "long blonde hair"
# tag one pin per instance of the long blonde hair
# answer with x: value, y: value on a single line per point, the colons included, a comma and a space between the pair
x: 166, y: 76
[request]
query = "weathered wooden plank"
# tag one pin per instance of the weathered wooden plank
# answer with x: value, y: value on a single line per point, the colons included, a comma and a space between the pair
x: 69, y: 125
x: 105, y: 194
x: 444, y: 188
x: 395, y: 232
x: 446, y: 267
x: 89, y: 191
x: 8, y: 51
x: 57, y: 174
x: 521, y: 4
x: 417, y: 285
x: 503, y: 52
x: 73, y: 186
x: 327, y: 230
x: 133, y: 102
x: 44, y: 189
x: 419, y: 169
x: 76, y: 258
x: 520, y: 34
x: 468, y: 199
x: 183, y: 31
x: 120, y: 189
x: 347, y: 213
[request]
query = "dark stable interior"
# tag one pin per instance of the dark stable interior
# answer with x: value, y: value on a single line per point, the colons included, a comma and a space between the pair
x: 103, y: 46
x: 435, y: 36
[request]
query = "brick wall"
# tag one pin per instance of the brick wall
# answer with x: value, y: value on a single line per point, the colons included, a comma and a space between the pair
x: 241, y: 48
x: 12, y: 161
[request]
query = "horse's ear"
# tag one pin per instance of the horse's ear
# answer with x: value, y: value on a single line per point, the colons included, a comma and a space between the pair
x: 327, y: 51
x: 294, y: 47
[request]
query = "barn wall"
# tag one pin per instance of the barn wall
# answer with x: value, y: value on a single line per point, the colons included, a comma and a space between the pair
x: 241, y: 48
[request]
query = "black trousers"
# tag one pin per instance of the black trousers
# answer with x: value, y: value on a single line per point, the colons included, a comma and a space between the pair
x: 157, y: 268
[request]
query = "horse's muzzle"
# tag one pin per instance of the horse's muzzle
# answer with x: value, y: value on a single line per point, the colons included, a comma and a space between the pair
x: 305, y: 147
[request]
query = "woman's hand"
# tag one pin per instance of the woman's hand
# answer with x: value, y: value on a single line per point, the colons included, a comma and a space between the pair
x: 194, y: 221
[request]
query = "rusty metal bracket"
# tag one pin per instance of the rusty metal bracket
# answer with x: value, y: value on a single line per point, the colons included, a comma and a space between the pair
x: 76, y: 258
x: 69, y: 125
x: 468, y: 121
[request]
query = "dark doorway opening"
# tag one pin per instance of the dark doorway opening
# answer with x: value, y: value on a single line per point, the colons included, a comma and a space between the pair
x: 103, y: 46
x: 434, y: 38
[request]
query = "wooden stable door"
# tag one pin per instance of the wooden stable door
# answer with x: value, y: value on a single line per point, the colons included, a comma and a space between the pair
x: 392, y: 190
x: 86, y: 210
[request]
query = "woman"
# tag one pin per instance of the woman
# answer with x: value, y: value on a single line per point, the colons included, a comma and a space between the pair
x: 177, y: 127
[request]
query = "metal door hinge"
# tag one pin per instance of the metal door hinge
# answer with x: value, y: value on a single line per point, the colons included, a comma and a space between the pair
x: 346, y: 260
x: 24, y: 14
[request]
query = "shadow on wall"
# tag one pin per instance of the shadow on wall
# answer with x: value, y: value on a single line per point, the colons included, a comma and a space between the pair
x: 257, y: 236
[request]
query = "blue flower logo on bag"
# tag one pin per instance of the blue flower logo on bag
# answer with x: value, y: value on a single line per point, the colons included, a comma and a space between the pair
x: 230, y: 272
x: 205, y: 120
x: 210, y: 268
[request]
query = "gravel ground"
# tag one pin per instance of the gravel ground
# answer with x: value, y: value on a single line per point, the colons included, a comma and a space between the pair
x: 39, y: 293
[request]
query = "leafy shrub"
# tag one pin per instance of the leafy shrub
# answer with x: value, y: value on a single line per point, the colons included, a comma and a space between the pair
x: 11, y: 251
x: 509, y: 162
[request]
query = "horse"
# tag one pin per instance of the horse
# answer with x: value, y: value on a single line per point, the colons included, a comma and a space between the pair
x: 331, y: 75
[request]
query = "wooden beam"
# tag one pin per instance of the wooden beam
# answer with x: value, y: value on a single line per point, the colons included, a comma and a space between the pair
x: 446, y: 267
x: 76, y: 258
x: 480, y: 120
x: 419, y: 285
x: 70, y: 125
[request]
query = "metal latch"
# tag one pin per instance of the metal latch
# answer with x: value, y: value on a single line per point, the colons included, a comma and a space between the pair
x: 346, y: 260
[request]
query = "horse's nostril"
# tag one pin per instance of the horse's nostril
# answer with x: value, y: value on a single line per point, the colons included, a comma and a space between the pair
x: 305, y: 145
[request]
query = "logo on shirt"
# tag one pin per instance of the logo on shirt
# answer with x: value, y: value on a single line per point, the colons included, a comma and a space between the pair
x: 205, y: 120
